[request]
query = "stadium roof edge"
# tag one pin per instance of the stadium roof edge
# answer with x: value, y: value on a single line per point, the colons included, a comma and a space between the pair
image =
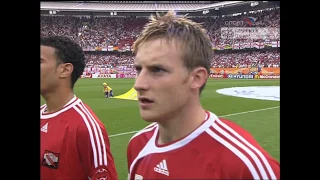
x: 80, y: 6
x: 213, y: 12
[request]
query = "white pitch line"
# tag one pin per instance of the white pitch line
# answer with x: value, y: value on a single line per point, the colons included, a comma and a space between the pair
x: 234, y: 114
x: 246, y: 112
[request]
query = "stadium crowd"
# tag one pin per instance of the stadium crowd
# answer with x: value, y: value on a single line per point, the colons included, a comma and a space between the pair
x: 229, y: 59
x: 246, y: 59
x: 122, y: 31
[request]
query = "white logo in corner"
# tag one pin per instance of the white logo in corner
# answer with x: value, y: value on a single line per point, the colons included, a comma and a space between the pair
x: 253, y: 92
x: 162, y: 168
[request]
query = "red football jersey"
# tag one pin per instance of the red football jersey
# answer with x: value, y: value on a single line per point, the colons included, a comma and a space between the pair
x: 74, y: 144
x: 218, y: 149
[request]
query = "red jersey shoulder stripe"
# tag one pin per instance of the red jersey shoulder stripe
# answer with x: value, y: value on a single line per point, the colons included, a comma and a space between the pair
x: 95, y: 134
x: 150, y: 127
x: 252, y: 147
x: 249, y: 154
x: 68, y: 106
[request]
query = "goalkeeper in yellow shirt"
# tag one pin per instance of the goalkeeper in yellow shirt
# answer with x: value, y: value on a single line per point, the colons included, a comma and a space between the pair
x: 107, y: 90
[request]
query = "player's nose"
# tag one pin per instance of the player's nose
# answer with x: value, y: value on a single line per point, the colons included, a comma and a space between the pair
x: 141, y: 83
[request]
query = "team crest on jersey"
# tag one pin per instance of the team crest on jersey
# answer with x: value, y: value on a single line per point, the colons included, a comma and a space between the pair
x: 101, y: 174
x: 137, y: 177
x: 50, y: 159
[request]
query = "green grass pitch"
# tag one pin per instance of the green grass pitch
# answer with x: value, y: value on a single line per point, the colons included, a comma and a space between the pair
x: 261, y: 118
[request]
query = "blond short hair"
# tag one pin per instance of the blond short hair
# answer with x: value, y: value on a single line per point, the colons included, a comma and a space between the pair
x: 196, y: 44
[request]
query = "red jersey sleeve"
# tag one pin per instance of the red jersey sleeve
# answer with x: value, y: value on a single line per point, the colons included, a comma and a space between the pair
x: 241, y: 170
x: 94, y: 150
x: 129, y: 158
x: 135, y: 145
x: 255, y: 162
x: 131, y: 154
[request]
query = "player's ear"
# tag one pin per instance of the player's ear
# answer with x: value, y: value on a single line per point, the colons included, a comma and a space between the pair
x: 199, y: 77
x: 66, y: 70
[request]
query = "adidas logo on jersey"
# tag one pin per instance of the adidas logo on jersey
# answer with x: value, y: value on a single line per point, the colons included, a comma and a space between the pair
x: 162, y: 168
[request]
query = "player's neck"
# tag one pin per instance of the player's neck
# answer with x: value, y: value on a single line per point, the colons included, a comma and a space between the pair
x: 185, y: 122
x: 56, y: 100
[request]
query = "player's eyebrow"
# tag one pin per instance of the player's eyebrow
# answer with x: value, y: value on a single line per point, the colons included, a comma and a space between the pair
x: 157, y: 66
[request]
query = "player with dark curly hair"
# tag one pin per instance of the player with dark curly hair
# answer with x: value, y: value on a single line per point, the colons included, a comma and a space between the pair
x: 74, y: 142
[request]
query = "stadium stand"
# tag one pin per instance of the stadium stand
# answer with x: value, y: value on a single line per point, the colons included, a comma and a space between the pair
x: 107, y: 40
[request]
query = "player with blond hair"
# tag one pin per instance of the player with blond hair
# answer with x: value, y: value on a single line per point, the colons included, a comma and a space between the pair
x: 173, y: 56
